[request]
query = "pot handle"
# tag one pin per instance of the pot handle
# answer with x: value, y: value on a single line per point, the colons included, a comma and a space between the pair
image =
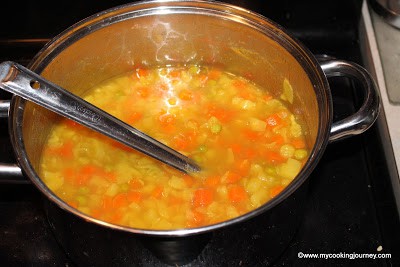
x: 4, y: 107
x: 10, y: 173
x: 360, y: 121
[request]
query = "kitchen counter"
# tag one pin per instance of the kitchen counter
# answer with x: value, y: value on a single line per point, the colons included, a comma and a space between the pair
x: 381, y: 43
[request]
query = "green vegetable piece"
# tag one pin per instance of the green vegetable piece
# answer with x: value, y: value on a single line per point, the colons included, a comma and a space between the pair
x: 216, y: 128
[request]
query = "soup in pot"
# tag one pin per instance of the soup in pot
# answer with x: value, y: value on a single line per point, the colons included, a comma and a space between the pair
x: 247, y: 142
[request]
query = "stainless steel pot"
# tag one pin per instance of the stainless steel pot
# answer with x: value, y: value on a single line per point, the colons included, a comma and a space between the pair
x: 155, y: 33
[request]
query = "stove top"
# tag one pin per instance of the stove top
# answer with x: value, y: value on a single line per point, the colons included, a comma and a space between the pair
x: 350, y: 205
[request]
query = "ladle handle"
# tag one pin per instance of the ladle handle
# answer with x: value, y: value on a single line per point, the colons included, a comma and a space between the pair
x: 23, y: 82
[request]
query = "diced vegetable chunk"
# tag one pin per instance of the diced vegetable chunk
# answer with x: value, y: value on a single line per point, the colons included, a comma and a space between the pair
x: 287, y: 91
x: 290, y: 168
x: 257, y: 125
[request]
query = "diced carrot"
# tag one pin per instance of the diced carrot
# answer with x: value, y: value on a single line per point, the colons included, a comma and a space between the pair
x: 277, y: 139
x: 243, y: 90
x: 236, y: 148
x: 232, y: 177
x: 134, y: 196
x: 189, y: 181
x: 274, y: 120
x: 241, y: 209
x: 246, y: 94
x: 134, y: 117
x: 237, y: 194
x: 167, y: 122
x: 195, y: 218
x: 87, y: 172
x: 69, y: 175
x: 249, y: 153
x: 276, y: 190
x: 88, y: 169
x: 157, y: 192
x: 203, y: 79
x: 239, y: 84
x: 267, y: 97
x: 65, y: 150
x: 135, y: 184
x: 169, y: 128
x: 274, y: 157
x: 222, y: 114
x: 198, y: 217
x: 298, y: 143
x: 191, y: 135
x: 174, y: 74
x: 143, y: 91
x: 120, y: 200
x: 141, y: 72
x: 243, y: 93
x: 162, y: 87
x: 212, y: 181
x: 203, y: 197
x: 185, y: 141
x: 107, y: 203
x: 116, y: 217
x: 185, y: 95
x: 214, y: 74
x: 243, y: 167
x: 82, y: 179
x: 252, y: 135
x: 166, y: 118
x: 96, y: 213
x: 180, y: 142
x: 73, y: 204
x: 172, y: 200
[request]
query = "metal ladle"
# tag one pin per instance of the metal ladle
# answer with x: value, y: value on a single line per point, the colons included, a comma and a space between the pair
x: 23, y: 82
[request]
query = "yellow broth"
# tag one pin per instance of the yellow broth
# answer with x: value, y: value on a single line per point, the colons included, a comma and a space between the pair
x: 248, y: 143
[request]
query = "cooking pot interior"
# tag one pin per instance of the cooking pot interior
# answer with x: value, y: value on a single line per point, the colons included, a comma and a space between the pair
x: 116, y: 43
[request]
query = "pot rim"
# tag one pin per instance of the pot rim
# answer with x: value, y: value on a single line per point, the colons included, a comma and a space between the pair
x: 247, y: 17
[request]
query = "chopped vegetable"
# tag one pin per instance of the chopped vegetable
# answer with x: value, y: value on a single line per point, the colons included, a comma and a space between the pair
x: 290, y: 168
x: 300, y: 154
x: 287, y: 151
x: 276, y: 190
x: 186, y: 95
x: 215, y: 125
x: 237, y: 194
x: 212, y: 181
x: 274, y: 120
x: 287, y: 91
x: 257, y: 125
x: 248, y: 143
x: 222, y: 114
x: 243, y: 104
x: 202, y: 197
x: 231, y: 177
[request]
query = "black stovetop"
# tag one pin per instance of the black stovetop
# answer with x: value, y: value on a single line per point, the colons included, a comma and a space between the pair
x: 350, y: 206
